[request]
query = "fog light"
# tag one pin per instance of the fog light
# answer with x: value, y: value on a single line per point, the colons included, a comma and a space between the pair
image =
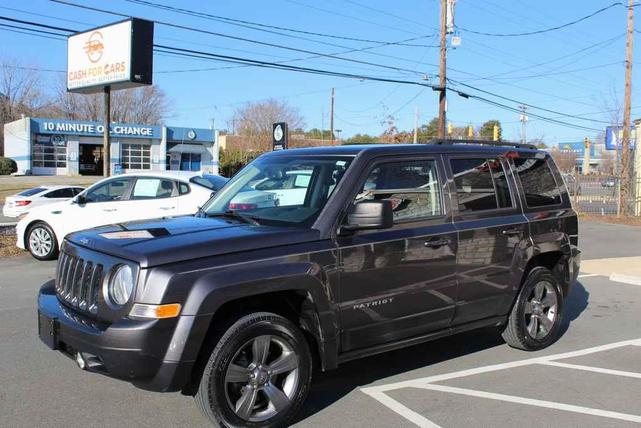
x: 142, y: 310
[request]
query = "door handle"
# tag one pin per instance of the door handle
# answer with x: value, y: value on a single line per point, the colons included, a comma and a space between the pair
x: 167, y: 208
x: 109, y: 210
x: 435, y: 243
x: 511, y: 232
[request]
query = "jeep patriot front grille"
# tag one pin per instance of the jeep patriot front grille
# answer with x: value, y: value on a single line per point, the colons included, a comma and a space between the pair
x: 78, y: 282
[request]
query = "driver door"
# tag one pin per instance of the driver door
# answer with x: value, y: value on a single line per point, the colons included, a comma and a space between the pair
x: 104, y: 204
x: 398, y: 283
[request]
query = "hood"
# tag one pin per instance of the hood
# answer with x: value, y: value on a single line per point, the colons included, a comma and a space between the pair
x: 170, y: 240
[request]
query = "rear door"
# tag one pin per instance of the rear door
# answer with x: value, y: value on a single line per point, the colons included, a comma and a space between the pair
x: 490, y: 226
x: 151, y: 197
x: 398, y: 283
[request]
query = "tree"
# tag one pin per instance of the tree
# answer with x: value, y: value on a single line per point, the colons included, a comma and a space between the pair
x: 318, y: 134
x: 20, y: 93
x: 361, y: 139
x: 256, y: 119
x: 146, y: 104
x: 564, y: 159
x: 487, y: 129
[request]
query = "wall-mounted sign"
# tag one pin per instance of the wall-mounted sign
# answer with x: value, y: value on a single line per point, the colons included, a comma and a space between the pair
x: 71, y: 127
x: 191, y: 134
x: 279, y: 136
x: 119, y: 55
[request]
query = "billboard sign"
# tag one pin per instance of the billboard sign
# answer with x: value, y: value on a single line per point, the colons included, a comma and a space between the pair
x: 119, y: 55
x: 280, y: 138
x: 578, y: 148
x: 614, y: 137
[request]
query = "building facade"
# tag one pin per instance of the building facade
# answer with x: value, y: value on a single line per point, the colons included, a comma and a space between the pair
x: 43, y: 146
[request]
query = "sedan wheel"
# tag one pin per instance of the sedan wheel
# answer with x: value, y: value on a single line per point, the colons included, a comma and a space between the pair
x: 41, y: 242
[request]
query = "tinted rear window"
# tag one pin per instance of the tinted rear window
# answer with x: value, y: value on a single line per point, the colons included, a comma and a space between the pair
x: 481, y: 185
x: 212, y: 182
x: 32, y: 192
x: 538, y: 182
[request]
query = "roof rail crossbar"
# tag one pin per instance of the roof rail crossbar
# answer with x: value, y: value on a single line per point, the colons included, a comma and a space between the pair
x: 444, y: 142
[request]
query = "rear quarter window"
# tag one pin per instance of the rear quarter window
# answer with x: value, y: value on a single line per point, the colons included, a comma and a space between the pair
x: 31, y: 192
x: 537, y: 181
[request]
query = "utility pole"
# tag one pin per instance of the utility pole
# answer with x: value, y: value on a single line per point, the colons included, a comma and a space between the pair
x: 442, y: 100
x: 624, y: 181
x: 331, y: 118
x: 106, y: 149
x: 416, y: 114
x: 523, y: 118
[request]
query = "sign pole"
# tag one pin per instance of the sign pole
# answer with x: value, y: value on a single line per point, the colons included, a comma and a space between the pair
x: 106, y: 149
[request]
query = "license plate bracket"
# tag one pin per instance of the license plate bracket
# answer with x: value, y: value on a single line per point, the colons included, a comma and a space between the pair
x: 48, y: 330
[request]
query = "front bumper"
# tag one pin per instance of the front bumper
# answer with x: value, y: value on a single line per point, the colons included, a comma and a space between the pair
x: 131, y: 350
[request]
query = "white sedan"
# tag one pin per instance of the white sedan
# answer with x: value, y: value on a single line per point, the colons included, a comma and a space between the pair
x: 122, y: 198
x: 18, y: 204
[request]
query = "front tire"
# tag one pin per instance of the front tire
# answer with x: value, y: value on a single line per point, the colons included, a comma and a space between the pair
x: 258, y: 375
x: 41, y: 242
x: 535, y: 320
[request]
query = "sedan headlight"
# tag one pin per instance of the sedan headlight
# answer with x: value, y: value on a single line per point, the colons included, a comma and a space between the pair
x: 121, y: 285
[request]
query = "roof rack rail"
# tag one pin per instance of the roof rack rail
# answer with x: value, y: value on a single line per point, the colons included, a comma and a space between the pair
x: 451, y: 141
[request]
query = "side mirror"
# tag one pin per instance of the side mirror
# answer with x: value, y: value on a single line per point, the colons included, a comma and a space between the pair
x: 80, y: 200
x: 369, y: 215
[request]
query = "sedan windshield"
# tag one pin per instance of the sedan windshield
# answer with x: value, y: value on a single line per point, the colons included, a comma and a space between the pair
x: 288, y: 191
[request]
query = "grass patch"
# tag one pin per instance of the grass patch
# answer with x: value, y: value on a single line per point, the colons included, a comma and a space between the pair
x: 8, y: 246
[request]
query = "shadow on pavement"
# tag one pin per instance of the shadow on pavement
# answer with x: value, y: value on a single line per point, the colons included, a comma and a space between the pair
x: 330, y: 387
x: 575, y: 304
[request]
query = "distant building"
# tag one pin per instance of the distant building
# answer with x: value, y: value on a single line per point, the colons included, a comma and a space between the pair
x: 69, y: 147
x: 578, y: 148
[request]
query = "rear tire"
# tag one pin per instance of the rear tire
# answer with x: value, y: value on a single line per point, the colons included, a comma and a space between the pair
x: 41, y: 241
x: 258, y: 375
x: 535, y: 320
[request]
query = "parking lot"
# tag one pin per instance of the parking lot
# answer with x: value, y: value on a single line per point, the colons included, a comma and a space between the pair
x: 590, y: 377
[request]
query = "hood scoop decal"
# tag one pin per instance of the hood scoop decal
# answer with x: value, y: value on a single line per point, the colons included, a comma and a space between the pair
x: 136, y: 234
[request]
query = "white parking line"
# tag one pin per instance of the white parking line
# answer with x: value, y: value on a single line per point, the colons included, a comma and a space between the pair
x: 534, y: 402
x: 626, y: 279
x: 592, y: 369
x: 378, y: 392
x: 588, y: 275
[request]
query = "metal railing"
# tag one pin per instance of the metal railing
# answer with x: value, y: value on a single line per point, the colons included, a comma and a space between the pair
x: 599, y: 195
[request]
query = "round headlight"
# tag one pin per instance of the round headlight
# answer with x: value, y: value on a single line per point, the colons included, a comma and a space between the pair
x: 121, y: 285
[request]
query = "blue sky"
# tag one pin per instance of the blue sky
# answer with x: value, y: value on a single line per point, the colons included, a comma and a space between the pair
x: 578, y: 70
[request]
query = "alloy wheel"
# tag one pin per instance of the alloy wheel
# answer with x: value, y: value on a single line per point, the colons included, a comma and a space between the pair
x: 40, y: 242
x: 262, y: 378
x: 541, y: 310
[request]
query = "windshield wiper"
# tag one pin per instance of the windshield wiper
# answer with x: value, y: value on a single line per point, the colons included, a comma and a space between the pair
x: 236, y: 215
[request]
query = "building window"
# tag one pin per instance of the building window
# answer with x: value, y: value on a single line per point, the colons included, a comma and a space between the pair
x: 49, y: 152
x: 190, y: 162
x: 136, y: 156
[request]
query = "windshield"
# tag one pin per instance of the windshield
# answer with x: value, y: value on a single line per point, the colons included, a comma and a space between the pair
x: 288, y: 191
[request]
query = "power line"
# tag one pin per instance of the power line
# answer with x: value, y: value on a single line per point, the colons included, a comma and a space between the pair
x: 189, y: 53
x: 524, y: 103
x: 546, y: 30
x: 32, y: 29
x: 243, y: 39
x: 384, y: 12
x: 250, y: 24
x: 355, y: 18
x: 28, y: 32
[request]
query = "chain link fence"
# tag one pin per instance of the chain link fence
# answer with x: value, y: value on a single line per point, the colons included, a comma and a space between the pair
x: 599, y: 195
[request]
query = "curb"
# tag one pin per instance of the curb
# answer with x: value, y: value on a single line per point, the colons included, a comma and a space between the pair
x: 627, y: 279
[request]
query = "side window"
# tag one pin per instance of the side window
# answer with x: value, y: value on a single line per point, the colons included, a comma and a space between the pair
x: 77, y: 190
x: 60, y: 193
x: 538, y: 183
x: 112, y: 190
x: 481, y: 185
x: 412, y: 187
x: 151, y: 188
x: 183, y: 188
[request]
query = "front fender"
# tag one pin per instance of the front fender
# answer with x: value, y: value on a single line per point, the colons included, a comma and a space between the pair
x: 206, y: 291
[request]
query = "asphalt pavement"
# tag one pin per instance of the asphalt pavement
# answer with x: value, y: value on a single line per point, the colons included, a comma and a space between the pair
x: 590, y: 378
